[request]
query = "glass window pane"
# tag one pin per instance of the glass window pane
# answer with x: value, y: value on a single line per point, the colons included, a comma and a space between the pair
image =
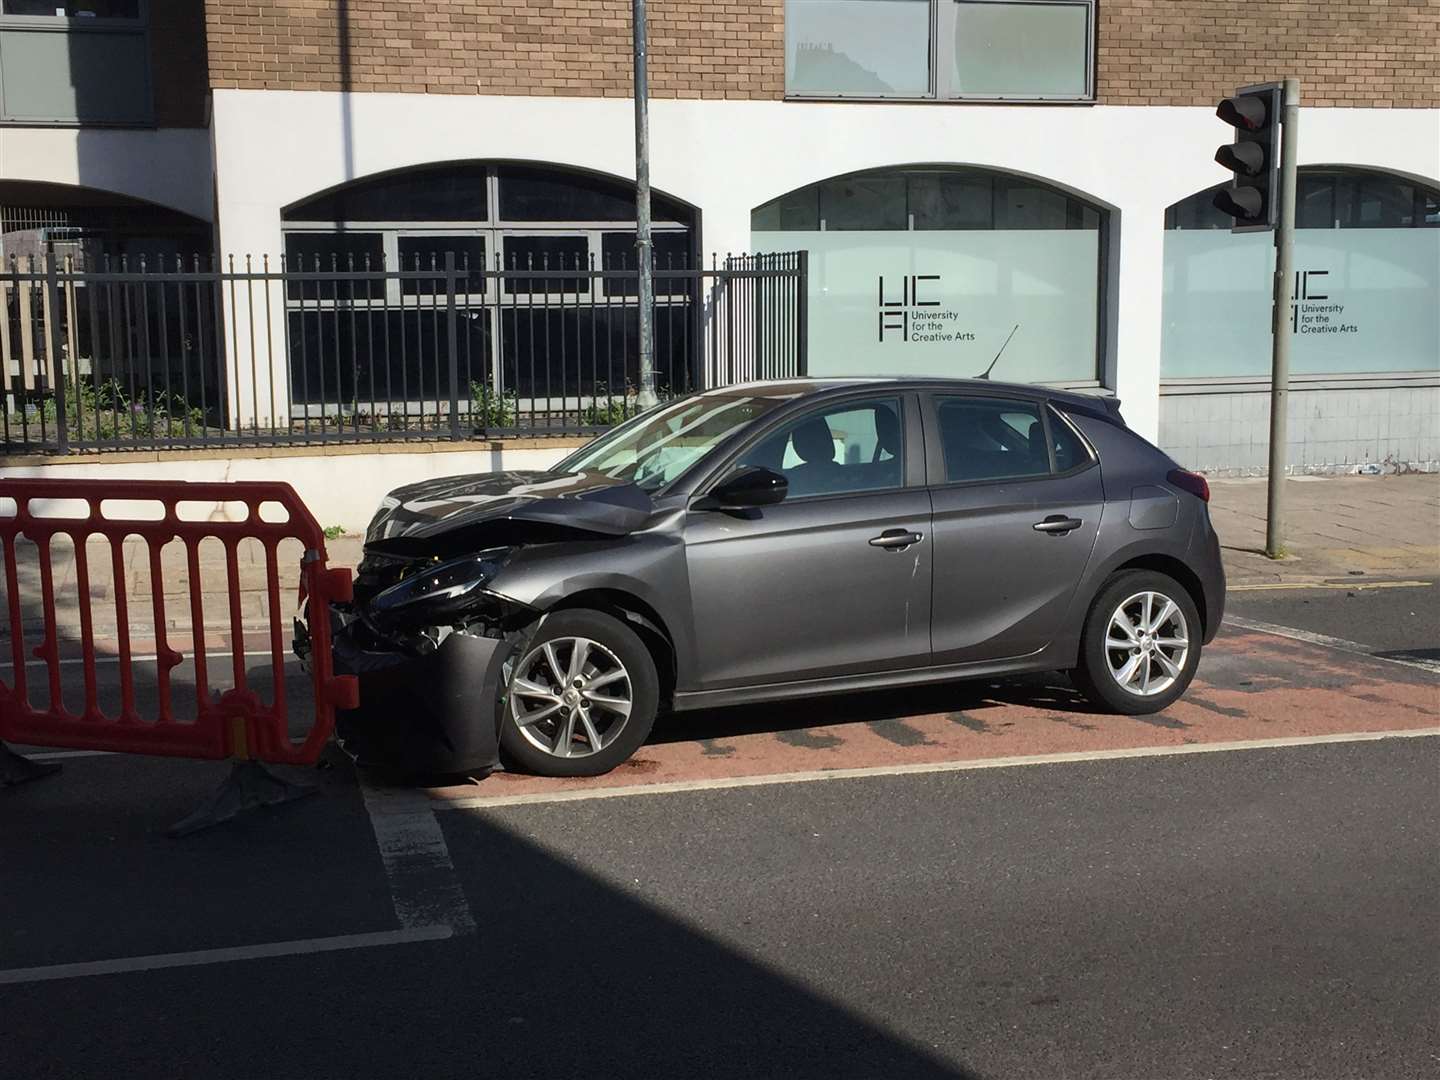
x: 1069, y: 450
x: 870, y: 48
x: 309, y: 252
x: 536, y: 194
x: 672, y: 252
x: 95, y: 77
x: 75, y: 9
x: 1381, y: 202
x: 450, y: 193
x: 852, y: 448
x: 940, y: 201
x: 428, y: 252
x: 547, y: 253
x: 864, y: 202
x: 1019, y: 205
x: 797, y: 210
x: 1314, y: 202
x: 1020, y: 50
x: 985, y: 439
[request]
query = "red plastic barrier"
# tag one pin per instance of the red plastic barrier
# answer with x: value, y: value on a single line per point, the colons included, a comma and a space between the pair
x: 237, y: 723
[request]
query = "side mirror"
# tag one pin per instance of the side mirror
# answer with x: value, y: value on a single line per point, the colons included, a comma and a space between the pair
x: 752, y: 486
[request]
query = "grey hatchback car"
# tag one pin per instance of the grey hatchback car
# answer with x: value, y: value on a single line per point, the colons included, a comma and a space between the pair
x: 774, y: 541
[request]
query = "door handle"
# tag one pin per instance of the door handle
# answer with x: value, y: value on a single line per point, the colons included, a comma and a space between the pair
x: 1057, y: 525
x: 896, y: 539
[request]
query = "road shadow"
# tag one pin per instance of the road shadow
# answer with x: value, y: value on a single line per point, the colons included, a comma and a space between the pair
x: 1049, y: 691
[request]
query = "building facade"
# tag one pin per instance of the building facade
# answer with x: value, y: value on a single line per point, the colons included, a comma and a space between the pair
x: 1015, y: 185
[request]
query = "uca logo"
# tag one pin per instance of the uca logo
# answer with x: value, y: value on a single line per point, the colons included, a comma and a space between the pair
x: 895, y: 315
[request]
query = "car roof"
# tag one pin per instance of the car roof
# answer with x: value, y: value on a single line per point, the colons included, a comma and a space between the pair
x: 806, y: 387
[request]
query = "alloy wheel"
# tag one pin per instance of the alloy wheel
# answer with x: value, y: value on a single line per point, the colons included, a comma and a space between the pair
x: 570, y: 697
x: 1146, y: 644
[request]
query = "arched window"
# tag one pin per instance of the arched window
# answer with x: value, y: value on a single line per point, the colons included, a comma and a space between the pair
x: 552, y: 336
x: 1367, y: 259
x: 936, y: 269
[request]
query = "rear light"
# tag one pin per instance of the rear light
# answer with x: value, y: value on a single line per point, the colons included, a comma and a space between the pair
x: 1191, y: 482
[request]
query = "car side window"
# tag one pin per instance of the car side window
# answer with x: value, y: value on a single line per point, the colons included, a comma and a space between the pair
x: 850, y: 447
x: 1069, y: 450
x: 991, y: 439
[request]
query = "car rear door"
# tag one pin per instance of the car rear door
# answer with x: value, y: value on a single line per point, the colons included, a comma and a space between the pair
x: 1016, y: 499
x: 834, y: 580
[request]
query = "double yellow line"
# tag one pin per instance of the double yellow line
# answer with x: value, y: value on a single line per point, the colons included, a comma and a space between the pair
x: 1271, y: 586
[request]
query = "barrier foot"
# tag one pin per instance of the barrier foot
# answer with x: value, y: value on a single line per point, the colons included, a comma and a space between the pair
x: 17, y: 769
x: 248, y: 786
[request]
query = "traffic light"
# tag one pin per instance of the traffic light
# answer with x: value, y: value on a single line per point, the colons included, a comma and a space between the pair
x: 1253, y: 197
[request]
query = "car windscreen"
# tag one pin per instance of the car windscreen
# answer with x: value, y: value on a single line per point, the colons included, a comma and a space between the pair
x: 656, y: 447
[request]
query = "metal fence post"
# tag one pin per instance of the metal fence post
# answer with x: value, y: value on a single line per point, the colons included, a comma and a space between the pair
x: 453, y: 343
x: 57, y: 360
x: 802, y: 313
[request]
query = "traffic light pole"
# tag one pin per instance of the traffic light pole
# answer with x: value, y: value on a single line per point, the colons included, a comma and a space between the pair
x: 646, y: 298
x: 1282, y: 323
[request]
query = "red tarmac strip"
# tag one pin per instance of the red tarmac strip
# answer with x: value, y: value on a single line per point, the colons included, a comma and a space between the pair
x: 1250, y: 686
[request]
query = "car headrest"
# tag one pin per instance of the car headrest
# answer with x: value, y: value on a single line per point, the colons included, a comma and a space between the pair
x: 887, y: 431
x: 813, y: 442
x: 1038, y: 449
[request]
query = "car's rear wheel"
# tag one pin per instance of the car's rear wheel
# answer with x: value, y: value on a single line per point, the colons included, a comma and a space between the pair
x: 1141, y: 643
x: 581, y: 698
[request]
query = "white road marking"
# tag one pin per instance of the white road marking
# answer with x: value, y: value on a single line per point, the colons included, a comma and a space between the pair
x: 481, y: 802
x: 202, y: 957
x: 1340, y: 644
x: 1347, y: 586
x: 62, y: 755
x: 423, y: 885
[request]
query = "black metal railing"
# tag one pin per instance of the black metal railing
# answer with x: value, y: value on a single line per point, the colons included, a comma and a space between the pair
x: 174, y: 354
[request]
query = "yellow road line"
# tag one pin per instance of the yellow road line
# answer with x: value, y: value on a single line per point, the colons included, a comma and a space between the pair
x: 1270, y: 586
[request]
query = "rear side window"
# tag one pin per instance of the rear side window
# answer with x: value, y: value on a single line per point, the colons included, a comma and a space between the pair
x: 991, y: 439
x: 1069, y: 450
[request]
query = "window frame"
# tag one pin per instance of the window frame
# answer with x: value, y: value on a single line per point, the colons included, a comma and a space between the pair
x: 138, y: 27
x: 936, y: 473
x: 942, y: 27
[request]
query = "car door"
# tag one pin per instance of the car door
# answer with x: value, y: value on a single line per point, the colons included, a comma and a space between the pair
x: 834, y: 580
x: 1016, y: 499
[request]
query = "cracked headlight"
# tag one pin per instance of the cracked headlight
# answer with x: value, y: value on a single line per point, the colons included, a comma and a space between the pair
x: 436, y: 594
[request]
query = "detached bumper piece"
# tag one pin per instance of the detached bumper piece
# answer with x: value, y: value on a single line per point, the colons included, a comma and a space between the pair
x: 437, y: 714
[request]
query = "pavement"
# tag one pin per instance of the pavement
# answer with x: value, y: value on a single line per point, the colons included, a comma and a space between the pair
x: 1335, y: 527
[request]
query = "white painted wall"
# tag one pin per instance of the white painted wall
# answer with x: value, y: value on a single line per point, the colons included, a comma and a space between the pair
x: 166, y: 166
x: 272, y: 148
x: 343, y: 489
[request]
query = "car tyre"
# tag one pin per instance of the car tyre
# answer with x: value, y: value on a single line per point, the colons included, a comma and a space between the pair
x: 582, y: 674
x: 1140, y: 645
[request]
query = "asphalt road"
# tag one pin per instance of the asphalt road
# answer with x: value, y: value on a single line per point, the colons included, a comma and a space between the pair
x: 1403, y: 621
x: 1259, y: 913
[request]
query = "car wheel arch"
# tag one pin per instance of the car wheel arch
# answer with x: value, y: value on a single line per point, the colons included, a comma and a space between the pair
x: 1171, y: 567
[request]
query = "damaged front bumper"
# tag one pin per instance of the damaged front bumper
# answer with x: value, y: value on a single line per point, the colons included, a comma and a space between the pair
x: 431, y: 713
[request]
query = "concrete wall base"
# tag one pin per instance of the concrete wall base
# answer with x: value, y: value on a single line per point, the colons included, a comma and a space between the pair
x: 340, y: 489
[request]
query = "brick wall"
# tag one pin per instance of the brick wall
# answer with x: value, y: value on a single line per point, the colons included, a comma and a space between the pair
x: 177, y: 63
x: 574, y: 48
x: 1347, y: 52
x: 1363, y: 53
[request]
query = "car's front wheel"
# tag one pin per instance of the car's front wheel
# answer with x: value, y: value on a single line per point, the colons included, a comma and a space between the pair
x: 1141, y: 644
x: 581, y: 698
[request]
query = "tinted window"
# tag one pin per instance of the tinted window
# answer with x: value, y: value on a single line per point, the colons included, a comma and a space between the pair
x: 991, y: 439
x: 857, y: 446
x: 446, y: 193
x: 428, y: 253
